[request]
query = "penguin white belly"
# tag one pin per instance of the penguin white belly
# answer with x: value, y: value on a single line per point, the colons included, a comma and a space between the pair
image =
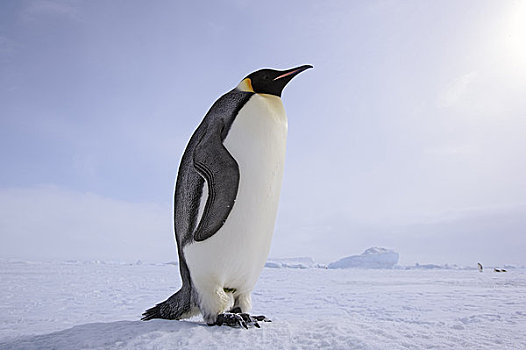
x: 235, y: 255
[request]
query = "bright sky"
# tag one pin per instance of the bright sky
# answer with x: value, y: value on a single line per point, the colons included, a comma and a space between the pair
x: 409, y: 133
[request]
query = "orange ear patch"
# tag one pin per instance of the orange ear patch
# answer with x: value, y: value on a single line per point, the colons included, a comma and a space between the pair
x: 245, y: 85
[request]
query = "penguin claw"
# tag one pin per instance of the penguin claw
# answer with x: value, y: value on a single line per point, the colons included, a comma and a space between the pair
x: 230, y: 319
x: 254, y: 320
x: 262, y: 318
x: 239, y: 319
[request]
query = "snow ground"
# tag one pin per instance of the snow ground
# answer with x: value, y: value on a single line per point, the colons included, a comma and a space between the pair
x: 97, y: 306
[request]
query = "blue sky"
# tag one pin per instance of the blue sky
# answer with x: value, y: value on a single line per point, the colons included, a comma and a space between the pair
x: 408, y: 133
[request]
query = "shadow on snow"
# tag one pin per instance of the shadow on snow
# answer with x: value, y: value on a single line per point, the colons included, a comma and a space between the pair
x: 96, y: 335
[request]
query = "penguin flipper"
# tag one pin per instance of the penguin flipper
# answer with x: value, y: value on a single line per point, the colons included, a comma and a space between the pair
x: 220, y: 170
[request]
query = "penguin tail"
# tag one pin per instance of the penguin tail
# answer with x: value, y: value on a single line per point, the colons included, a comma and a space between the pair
x: 151, y: 313
x: 176, y: 307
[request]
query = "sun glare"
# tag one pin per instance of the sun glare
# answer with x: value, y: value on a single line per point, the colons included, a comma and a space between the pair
x: 516, y: 34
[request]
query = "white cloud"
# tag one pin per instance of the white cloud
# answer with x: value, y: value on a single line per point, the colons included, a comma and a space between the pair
x: 464, y: 235
x: 65, y: 9
x: 50, y: 222
x: 456, y: 90
x: 451, y: 150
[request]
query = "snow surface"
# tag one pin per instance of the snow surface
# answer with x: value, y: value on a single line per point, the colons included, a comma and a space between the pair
x: 372, y: 258
x: 97, y: 306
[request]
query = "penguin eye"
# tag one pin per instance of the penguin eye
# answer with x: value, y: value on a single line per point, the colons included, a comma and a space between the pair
x: 266, y: 77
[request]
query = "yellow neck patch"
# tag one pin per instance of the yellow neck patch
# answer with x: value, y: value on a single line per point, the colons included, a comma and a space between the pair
x: 245, y: 85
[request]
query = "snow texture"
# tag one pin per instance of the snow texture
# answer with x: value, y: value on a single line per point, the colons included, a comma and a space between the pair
x: 372, y: 258
x: 79, y: 305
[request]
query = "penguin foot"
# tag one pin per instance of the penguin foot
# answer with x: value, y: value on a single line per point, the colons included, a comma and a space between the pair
x: 230, y: 319
x: 253, y: 319
x: 239, y: 319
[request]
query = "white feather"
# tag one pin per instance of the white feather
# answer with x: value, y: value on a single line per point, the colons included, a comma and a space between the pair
x: 235, y: 255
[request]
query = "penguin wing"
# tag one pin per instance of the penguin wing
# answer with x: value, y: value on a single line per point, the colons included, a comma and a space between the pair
x: 221, y: 172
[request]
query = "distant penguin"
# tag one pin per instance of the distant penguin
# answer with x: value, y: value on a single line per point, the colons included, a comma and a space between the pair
x: 226, y: 200
x: 480, y: 267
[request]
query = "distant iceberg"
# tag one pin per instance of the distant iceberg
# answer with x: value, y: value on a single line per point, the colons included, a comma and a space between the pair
x: 372, y: 258
x: 293, y: 263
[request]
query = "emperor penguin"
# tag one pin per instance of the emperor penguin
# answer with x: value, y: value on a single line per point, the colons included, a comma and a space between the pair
x: 226, y: 200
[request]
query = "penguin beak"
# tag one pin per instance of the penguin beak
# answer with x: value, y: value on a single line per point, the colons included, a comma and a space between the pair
x: 291, y: 73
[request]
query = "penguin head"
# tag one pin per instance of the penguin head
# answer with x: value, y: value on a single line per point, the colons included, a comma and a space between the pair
x: 269, y: 81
